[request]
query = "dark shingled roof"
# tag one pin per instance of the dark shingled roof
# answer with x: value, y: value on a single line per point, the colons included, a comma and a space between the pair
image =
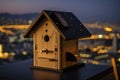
x: 66, y: 23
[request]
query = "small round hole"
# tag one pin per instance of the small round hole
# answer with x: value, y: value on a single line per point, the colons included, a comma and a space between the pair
x: 46, y: 30
x: 46, y: 24
x: 46, y: 38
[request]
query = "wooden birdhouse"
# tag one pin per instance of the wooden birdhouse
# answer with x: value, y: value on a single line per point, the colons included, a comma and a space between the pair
x: 55, y: 39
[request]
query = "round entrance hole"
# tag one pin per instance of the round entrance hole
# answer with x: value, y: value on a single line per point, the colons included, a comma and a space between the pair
x: 46, y: 38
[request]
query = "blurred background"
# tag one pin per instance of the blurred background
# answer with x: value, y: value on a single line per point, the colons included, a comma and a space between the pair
x: 100, y: 17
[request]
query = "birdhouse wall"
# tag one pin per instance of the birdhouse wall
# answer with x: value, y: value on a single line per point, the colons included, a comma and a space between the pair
x: 50, y: 59
x: 70, y: 46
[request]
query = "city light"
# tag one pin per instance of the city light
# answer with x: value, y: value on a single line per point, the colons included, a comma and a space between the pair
x: 118, y: 51
x: 30, y: 21
x: 95, y: 62
x: 5, y: 55
x: 108, y: 29
x: 85, y: 55
x: 1, y: 55
x: 119, y: 59
x: 0, y: 48
x: 100, y: 36
x: 24, y: 53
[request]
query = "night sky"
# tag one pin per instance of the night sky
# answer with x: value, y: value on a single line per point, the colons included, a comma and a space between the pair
x: 87, y: 10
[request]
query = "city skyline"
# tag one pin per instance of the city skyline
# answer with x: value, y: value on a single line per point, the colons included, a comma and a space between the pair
x: 85, y: 10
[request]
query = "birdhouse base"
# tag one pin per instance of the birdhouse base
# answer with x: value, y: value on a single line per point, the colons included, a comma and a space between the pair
x: 61, y: 70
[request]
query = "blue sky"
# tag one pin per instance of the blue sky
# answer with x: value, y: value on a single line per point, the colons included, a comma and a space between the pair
x: 88, y: 10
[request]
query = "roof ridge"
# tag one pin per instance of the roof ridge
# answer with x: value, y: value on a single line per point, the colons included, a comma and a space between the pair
x: 57, y: 11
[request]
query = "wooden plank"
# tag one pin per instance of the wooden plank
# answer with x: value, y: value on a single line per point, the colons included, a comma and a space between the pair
x: 114, y: 68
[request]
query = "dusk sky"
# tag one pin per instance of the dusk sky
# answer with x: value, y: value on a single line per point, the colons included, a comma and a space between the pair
x: 87, y: 10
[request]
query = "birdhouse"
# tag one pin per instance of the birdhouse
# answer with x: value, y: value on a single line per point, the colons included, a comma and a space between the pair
x: 55, y: 39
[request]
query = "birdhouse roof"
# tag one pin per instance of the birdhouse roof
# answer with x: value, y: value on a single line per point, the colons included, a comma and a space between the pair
x: 65, y: 22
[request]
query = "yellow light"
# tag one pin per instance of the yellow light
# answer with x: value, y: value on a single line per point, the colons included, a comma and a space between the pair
x: 5, y: 55
x: 101, y: 51
x: 118, y: 51
x: 0, y: 48
x: 100, y: 36
x: 108, y: 29
x: 24, y: 53
x: 95, y: 62
x: 30, y: 21
x: 119, y: 59
x: 1, y: 55
x: 84, y: 61
x: 107, y: 37
x: 94, y: 49
x: 12, y: 54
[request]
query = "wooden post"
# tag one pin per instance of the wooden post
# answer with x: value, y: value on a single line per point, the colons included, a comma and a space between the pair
x: 114, y: 68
